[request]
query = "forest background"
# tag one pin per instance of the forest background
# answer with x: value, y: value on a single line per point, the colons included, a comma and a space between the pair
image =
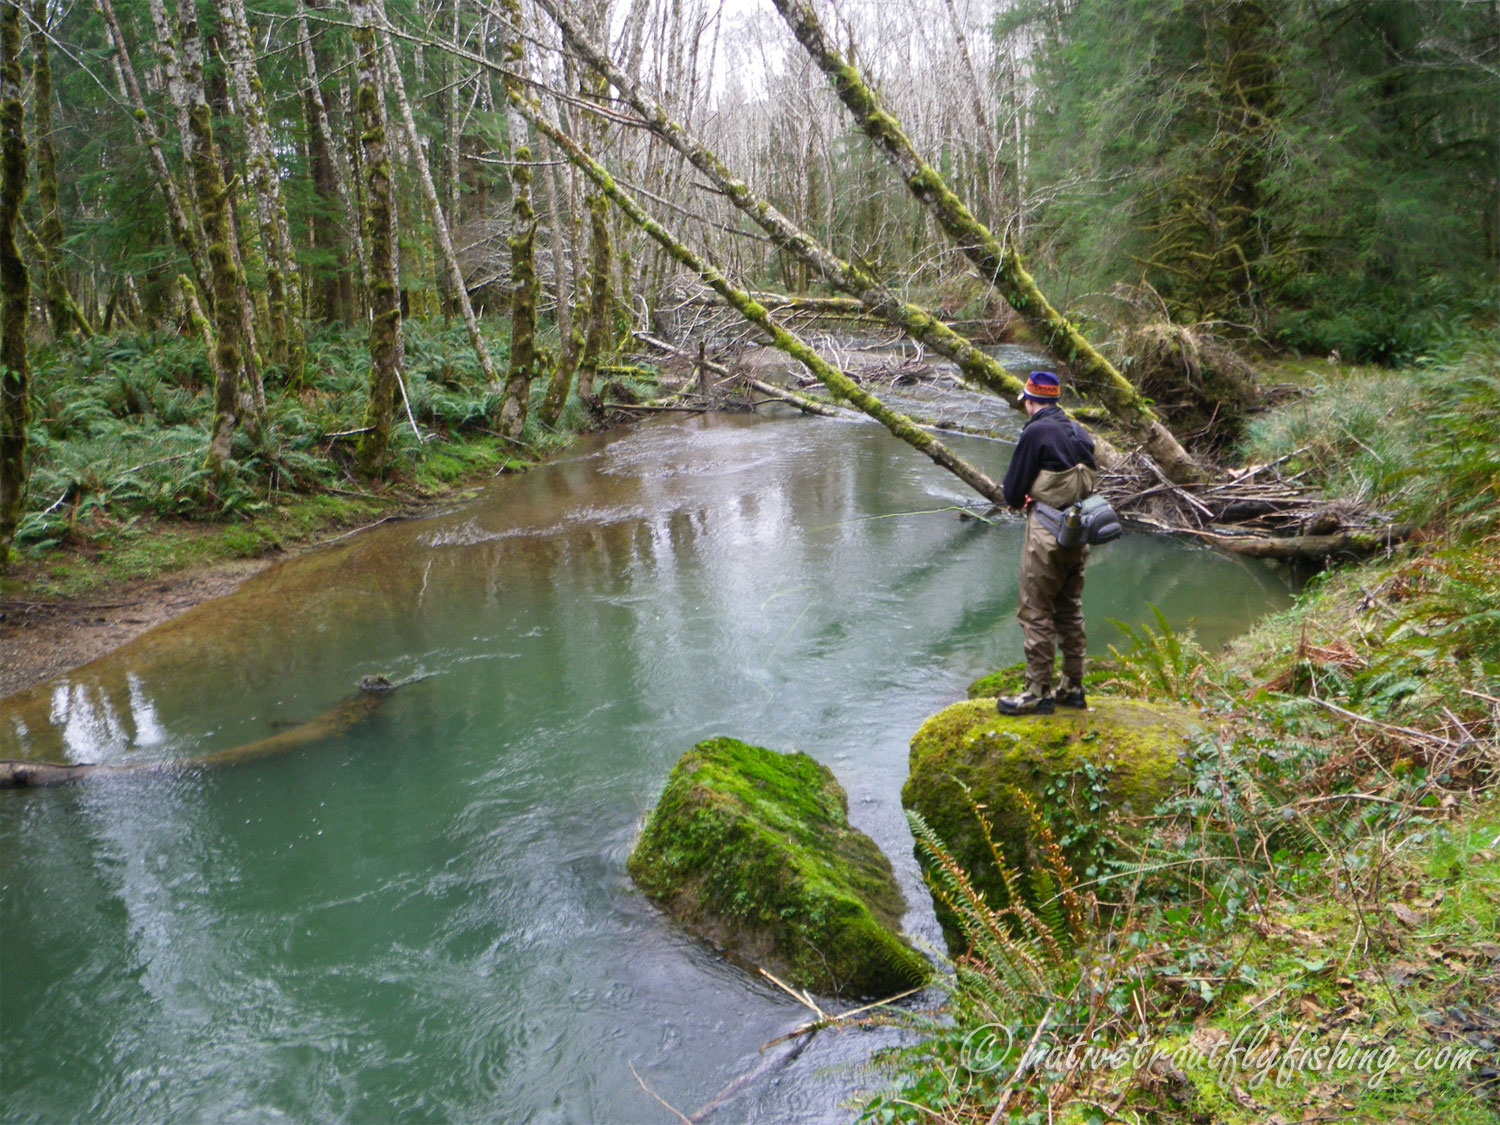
x: 257, y: 239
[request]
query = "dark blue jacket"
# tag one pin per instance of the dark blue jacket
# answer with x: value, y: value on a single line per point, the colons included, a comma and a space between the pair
x: 1049, y: 440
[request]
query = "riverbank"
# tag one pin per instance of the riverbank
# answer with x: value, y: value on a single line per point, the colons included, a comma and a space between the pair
x: 69, y: 606
x: 1308, y: 933
x: 122, y: 530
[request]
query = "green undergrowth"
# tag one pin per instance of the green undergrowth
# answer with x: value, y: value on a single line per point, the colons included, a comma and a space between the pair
x: 1305, y: 928
x: 118, y: 488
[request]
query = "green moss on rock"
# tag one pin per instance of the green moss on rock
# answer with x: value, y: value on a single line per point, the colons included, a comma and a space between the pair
x: 753, y: 850
x: 1011, y: 680
x: 1085, y: 770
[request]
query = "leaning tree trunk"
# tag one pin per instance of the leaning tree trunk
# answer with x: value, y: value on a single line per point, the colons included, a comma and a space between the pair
x: 1000, y: 265
x: 283, y: 284
x: 594, y: 87
x: 523, y: 360
x: 846, y: 276
x: 455, y: 274
x: 15, y: 288
x: 61, y: 309
x: 213, y: 211
x: 130, y: 89
x: 835, y: 380
x: 380, y: 219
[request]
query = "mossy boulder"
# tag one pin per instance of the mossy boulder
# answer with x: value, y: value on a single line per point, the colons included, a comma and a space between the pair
x: 1085, y: 771
x: 1011, y: 680
x: 752, y: 849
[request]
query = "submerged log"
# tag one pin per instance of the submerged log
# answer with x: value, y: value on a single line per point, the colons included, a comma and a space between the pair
x: 1307, y: 548
x: 337, y: 720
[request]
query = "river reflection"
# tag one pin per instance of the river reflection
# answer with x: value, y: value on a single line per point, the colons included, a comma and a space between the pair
x: 429, y: 917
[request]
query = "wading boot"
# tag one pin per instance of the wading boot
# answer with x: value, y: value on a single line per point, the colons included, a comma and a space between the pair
x: 1069, y: 694
x: 1026, y: 703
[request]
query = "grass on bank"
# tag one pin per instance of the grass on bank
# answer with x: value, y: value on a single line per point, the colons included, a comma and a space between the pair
x: 118, y: 489
x: 1311, y: 932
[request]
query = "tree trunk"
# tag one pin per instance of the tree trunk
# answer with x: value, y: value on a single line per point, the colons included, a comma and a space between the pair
x: 561, y: 380
x: 841, y: 386
x: 349, y: 102
x: 260, y: 320
x: 213, y: 197
x: 181, y: 227
x: 181, y: 98
x: 335, y: 297
x: 523, y: 361
x: 998, y: 264
x: 597, y: 336
x: 283, y: 282
x: 457, y: 284
x: 63, y: 313
x: 380, y: 219
x: 15, y: 286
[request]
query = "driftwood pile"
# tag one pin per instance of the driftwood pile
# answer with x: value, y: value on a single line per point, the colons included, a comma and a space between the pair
x: 1257, y: 511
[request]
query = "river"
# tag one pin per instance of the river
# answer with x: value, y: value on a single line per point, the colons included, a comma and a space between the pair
x: 429, y: 917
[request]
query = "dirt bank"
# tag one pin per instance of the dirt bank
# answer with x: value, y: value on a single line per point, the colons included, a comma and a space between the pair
x: 40, y: 639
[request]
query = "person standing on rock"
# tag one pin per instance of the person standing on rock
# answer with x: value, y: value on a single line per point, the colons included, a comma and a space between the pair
x: 1053, y: 463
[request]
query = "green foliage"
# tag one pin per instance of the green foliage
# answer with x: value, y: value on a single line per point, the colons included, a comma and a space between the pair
x: 1158, y: 665
x: 1022, y: 968
x: 1324, y: 174
x: 120, y: 427
x: 1421, y: 442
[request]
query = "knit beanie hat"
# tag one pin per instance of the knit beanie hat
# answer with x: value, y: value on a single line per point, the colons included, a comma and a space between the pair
x: 1042, y: 386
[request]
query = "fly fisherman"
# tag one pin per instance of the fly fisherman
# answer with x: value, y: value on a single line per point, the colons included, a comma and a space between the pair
x: 1053, y: 463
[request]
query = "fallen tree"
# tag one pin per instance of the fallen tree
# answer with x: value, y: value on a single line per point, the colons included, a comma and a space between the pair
x: 839, y: 385
x: 868, y: 291
x: 999, y: 264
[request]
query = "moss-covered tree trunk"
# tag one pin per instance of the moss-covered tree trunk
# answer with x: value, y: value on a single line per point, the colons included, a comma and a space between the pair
x: 380, y: 231
x: 561, y: 379
x: 63, y: 313
x: 283, y: 282
x: 835, y: 380
x: 458, y: 289
x: 600, y: 331
x: 523, y: 283
x: 178, y: 221
x: 999, y: 264
x: 15, y: 286
x: 213, y: 198
x: 334, y: 299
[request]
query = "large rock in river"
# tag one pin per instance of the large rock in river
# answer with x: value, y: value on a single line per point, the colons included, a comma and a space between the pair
x: 1084, y: 771
x: 753, y: 850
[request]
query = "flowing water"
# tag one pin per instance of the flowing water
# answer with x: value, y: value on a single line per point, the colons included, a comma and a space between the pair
x: 428, y: 918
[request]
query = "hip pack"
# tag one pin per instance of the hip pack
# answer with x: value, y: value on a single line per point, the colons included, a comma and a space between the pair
x: 1090, y: 522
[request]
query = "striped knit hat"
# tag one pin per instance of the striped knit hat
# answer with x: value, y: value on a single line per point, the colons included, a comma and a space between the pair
x: 1042, y: 386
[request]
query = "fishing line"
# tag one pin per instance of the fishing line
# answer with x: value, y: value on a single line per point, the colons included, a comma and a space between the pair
x: 970, y: 512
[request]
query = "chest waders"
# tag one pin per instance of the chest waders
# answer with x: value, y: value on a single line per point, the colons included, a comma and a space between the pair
x: 1051, y: 587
